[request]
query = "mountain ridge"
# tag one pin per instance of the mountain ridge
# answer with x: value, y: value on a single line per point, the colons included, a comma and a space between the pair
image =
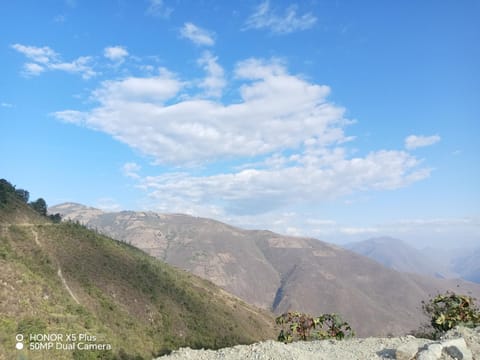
x: 468, y: 265
x: 280, y: 272
x: 398, y: 255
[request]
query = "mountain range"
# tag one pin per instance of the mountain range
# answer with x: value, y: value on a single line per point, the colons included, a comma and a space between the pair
x: 468, y: 265
x: 277, y: 272
x: 399, y: 255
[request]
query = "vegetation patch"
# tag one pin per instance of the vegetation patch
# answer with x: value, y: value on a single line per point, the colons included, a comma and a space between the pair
x: 300, y: 326
x: 449, y: 310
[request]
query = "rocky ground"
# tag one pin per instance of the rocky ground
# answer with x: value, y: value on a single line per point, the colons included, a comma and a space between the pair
x: 459, y: 343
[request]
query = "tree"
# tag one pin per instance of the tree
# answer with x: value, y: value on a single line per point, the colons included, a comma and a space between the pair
x: 56, y: 218
x: 5, y: 189
x: 39, y: 206
x: 24, y: 195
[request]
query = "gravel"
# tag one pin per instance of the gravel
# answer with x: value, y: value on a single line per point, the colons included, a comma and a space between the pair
x: 354, y: 349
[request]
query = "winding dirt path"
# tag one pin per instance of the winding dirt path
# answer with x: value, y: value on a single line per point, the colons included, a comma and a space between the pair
x: 59, y: 273
x: 59, y: 270
x: 35, y: 237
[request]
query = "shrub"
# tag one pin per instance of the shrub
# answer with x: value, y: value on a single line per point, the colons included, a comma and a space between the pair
x: 300, y: 326
x: 449, y: 310
x: 56, y: 218
x: 40, y: 206
x: 7, y: 190
x: 29, y: 326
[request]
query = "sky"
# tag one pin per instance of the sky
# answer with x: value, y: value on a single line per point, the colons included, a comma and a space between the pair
x: 335, y: 119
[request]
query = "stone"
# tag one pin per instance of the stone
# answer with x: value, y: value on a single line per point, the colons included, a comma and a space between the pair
x: 471, y: 336
x: 432, y: 352
x: 406, y: 351
x: 457, y: 349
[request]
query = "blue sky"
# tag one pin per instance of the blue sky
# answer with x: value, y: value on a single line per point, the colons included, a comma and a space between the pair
x: 341, y: 120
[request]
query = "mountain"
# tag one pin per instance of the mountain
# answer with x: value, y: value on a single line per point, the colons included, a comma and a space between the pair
x: 398, y: 255
x: 468, y: 265
x: 278, y: 272
x: 66, y: 279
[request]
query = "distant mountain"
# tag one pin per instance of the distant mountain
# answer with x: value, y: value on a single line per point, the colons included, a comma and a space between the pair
x: 468, y: 265
x: 398, y: 255
x: 67, y: 279
x: 278, y: 272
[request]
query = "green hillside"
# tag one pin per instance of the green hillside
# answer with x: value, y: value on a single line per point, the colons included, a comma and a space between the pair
x: 65, y: 279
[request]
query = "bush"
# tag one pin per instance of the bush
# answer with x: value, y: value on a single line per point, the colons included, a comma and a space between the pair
x: 449, y: 310
x: 40, y: 206
x: 6, y: 191
x: 29, y: 326
x: 23, y: 195
x: 56, y: 218
x: 300, y: 326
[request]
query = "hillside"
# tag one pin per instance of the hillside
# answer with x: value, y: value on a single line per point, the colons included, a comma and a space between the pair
x: 398, y: 255
x: 64, y: 278
x: 278, y: 272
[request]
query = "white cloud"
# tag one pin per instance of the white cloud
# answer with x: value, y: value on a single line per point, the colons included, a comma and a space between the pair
x: 70, y: 116
x: 358, y: 230
x: 304, y: 180
x: 436, y: 232
x: 133, y: 94
x: 108, y: 205
x: 44, y: 58
x: 277, y: 111
x: 115, y: 53
x: 197, y: 35
x: 214, y: 82
x: 32, y: 69
x: 320, y: 222
x: 416, y: 141
x: 131, y: 170
x: 292, y: 135
x: 42, y: 55
x: 159, y: 9
x: 79, y: 65
x: 436, y: 222
x: 419, y: 232
x: 264, y: 17
x: 6, y: 105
